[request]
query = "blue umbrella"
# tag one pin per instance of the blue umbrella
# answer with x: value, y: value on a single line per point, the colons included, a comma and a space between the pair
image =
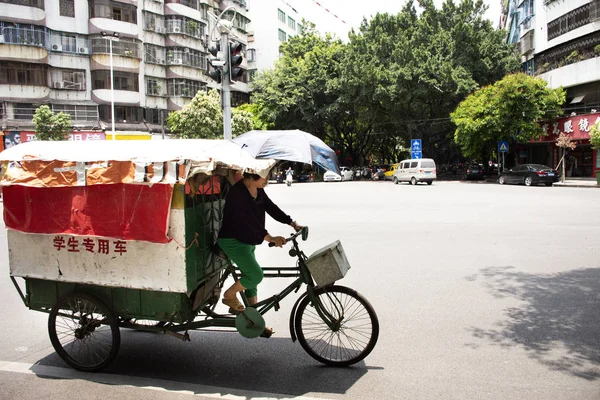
x: 293, y: 145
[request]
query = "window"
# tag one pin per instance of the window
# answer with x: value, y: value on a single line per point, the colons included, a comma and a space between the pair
x: 251, y: 55
x: 23, y: 111
x: 569, y: 21
x: 427, y: 164
x: 154, y: 22
x: 122, y: 80
x: 184, y: 87
x: 68, y: 79
x: 69, y: 43
x: 251, y: 74
x: 67, y: 8
x: 77, y: 113
x: 113, y: 10
x: 122, y: 114
x: 299, y: 29
x: 155, y: 116
x: 413, y: 164
x: 155, y: 87
x: 190, y: 27
x: 24, y: 34
x: 124, y: 47
x: 239, y: 98
x: 281, y: 15
x: 26, y: 3
x: 282, y: 36
x: 291, y: 23
x: 186, y: 56
x: 15, y: 73
x: 154, y: 54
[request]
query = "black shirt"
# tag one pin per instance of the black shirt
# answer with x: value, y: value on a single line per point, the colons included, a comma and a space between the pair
x: 244, y: 216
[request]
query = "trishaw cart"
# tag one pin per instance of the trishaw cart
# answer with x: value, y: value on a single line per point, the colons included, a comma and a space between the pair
x: 111, y: 235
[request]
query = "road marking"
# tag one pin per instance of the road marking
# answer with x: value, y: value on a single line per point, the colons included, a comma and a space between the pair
x: 190, y: 389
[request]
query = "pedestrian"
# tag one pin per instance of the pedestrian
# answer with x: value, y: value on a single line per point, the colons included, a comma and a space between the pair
x: 242, y: 230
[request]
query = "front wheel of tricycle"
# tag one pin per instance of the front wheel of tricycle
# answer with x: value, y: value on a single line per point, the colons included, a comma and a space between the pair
x: 355, y: 332
x: 84, y: 332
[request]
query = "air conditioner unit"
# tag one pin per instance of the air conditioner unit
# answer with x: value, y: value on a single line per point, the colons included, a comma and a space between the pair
x: 58, y: 85
x: 186, y: 50
x: 160, y: 29
x: 161, y: 62
x: 83, y: 50
x: 57, y: 47
x: 177, y: 61
x: 176, y: 29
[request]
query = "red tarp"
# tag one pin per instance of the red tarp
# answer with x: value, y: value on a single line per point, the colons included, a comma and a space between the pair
x: 128, y: 212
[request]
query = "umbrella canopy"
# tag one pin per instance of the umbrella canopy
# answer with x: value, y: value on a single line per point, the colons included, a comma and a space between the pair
x: 292, y: 145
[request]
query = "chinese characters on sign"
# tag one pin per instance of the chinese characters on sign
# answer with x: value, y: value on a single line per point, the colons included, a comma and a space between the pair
x: 100, y: 246
x: 578, y: 127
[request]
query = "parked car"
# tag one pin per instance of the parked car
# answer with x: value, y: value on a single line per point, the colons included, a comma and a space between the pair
x: 379, y: 172
x: 529, y: 174
x: 331, y: 176
x: 414, y: 171
x: 474, y: 171
x: 346, y: 173
x: 304, y: 177
x: 389, y: 174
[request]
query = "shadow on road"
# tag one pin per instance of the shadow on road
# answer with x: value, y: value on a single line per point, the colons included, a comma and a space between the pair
x: 227, y: 361
x: 559, y: 321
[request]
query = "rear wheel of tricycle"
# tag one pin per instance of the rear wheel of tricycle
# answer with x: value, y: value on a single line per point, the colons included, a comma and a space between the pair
x: 355, y: 332
x: 84, y: 332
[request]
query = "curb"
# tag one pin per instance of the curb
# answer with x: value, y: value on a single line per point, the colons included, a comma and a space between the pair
x: 577, y: 185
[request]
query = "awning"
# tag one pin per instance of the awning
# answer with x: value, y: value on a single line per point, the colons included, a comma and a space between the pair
x: 577, y: 99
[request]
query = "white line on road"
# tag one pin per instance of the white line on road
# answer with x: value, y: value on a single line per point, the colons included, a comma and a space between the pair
x: 143, y: 383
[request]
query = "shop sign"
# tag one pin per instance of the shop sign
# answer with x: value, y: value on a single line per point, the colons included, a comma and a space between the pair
x: 12, y: 138
x: 578, y: 127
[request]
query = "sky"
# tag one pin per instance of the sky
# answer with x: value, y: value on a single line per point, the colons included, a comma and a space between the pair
x: 339, y: 16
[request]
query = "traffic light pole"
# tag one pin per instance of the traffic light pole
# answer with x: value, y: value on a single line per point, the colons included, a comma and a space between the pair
x: 226, y: 96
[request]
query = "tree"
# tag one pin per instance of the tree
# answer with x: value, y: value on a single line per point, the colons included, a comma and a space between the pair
x: 511, y: 109
x: 50, y: 126
x: 564, y: 142
x: 595, y: 135
x: 257, y: 122
x: 202, y: 118
x: 241, y: 121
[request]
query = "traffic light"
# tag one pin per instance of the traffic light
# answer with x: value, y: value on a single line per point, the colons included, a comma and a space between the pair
x: 235, y: 59
x: 216, y: 62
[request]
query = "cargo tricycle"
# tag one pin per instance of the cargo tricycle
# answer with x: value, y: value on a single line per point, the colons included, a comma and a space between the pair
x: 121, y: 235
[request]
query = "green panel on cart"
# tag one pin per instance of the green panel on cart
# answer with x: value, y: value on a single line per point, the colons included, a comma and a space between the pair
x: 124, y: 302
x: 203, y: 216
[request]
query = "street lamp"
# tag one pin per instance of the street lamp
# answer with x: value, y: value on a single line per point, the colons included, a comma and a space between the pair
x: 111, y: 37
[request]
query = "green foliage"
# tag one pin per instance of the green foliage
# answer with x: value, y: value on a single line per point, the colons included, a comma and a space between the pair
x: 595, y: 136
x: 241, y: 121
x: 510, y: 109
x: 399, y: 77
x: 255, y: 112
x: 573, y: 57
x: 202, y: 118
x: 597, y: 49
x: 49, y: 126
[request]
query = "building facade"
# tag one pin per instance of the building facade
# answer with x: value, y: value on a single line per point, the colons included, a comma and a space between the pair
x: 57, y: 52
x: 559, y: 41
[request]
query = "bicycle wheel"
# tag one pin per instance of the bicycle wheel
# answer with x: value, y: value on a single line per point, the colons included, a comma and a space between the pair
x: 84, y: 332
x: 354, y: 336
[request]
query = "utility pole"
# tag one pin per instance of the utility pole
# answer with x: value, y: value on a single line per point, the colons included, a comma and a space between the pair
x: 226, y: 89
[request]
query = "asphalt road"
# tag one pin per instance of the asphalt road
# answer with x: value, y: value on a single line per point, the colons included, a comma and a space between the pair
x: 482, y: 291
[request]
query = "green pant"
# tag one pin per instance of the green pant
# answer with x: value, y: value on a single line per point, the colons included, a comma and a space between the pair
x: 242, y: 255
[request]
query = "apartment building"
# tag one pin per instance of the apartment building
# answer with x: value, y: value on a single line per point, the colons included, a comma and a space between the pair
x: 57, y: 52
x: 559, y: 41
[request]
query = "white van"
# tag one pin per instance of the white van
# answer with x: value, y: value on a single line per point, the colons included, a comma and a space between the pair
x: 416, y: 170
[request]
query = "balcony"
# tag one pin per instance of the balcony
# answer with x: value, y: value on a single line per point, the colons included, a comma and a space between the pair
x: 69, y: 43
x: 186, y: 57
x: 185, y: 26
x: 112, y: 16
x: 27, y: 43
x: 126, y: 54
x: 124, y: 97
x: 193, y: 9
x: 23, y: 10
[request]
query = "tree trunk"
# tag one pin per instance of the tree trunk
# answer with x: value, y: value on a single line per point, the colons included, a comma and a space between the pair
x: 563, y: 165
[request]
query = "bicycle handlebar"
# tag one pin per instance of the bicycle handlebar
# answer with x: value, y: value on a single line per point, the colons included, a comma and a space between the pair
x: 294, y: 236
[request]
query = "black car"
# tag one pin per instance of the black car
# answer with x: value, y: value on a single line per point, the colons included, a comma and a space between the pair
x: 473, y: 171
x: 529, y: 174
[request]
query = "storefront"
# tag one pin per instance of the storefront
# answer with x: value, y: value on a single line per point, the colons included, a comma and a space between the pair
x: 12, y: 138
x: 583, y: 161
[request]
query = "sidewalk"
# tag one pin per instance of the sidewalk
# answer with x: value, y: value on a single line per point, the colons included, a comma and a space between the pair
x: 578, y: 182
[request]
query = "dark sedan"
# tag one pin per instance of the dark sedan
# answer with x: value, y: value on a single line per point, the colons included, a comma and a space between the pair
x: 473, y: 171
x: 529, y: 174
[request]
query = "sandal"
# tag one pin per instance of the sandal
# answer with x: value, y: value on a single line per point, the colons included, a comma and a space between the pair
x: 235, y: 307
x: 267, y: 333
